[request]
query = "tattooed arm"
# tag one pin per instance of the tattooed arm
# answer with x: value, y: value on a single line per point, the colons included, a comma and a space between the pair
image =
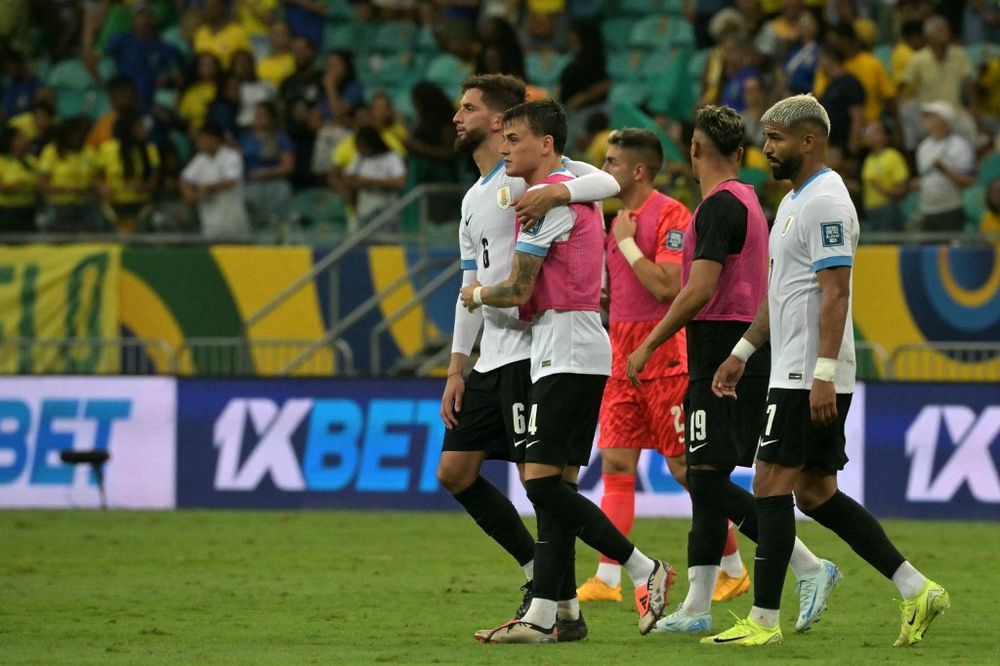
x: 515, y: 290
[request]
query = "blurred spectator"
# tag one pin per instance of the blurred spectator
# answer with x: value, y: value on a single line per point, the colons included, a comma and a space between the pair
x: 779, y: 34
x: 19, y: 86
x: 701, y: 18
x: 911, y: 40
x: 213, y: 181
x: 15, y: 18
x: 219, y: 35
x: 939, y: 72
x: 142, y: 57
x: 880, y: 91
x: 501, y: 51
x: 988, y: 83
x: 67, y: 174
x: 990, y: 224
x: 374, y: 178
x: 252, y: 90
x: 18, y: 183
x: 60, y: 21
x: 945, y: 165
x: 755, y: 98
x: 981, y: 22
x: 341, y: 88
x: 37, y: 125
x: 130, y: 173
x: 201, y: 91
x: 225, y: 108
x: 255, y: 17
x: 584, y: 83
x: 885, y: 179
x: 843, y: 99
x: 305, y: 19
x: 431, y: 146
x: 800, y: 65
x: 121, y: 94
x: 279, y: 64
x: 910, y: 11
x: 387, y: 121
x: 269, y: 162
x: 301, y: 94
x: 737, y: 66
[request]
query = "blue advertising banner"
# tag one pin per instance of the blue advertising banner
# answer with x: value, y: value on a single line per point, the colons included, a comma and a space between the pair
x: 312, y: 444
x: 933, y: 451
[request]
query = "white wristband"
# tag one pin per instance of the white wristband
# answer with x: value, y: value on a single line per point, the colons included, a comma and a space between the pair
x: 743, y: 350
x: 826, y: 369
x: 477, y: 295
x: 630, y: 250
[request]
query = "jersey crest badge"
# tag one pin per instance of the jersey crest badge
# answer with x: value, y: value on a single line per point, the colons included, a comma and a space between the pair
x: 675, y: 240
x: 833, y: 234
x: 503, y: 197
x: 788, y: 225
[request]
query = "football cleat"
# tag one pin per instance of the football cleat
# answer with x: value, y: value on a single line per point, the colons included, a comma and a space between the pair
x: 652, y: 598
x: 814, y: 590
x: 517, y: 631
x: 727, y: 587
x: 595, y: 589
x: 747, y: 633
x: 919, y: 611
x: 525, y: 601
x: 568, y: 631
x: 682, y: 622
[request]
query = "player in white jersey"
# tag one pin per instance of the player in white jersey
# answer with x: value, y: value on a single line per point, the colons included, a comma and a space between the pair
x: 807, y: 318
x: 555, y: 279
x: 483, y: 413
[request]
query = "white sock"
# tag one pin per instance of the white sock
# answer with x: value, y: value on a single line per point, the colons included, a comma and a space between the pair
x: 701, y: 580
x: 542, y: 613
x: 803, y: 562
x: 732, y: 565
x: 529, y: 569
x: 569, y: 609
x: 908, y: 580
x: 610, y: 573
x: 765, y: 617
x: 639, y: 567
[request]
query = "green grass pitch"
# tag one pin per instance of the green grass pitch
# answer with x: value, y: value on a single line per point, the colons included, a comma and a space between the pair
x: 214, y: 587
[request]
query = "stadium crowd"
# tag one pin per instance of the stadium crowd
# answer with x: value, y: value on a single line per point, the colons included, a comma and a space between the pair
x: 240, y: 116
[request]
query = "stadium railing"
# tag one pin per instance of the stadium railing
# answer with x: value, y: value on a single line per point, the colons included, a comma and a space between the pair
x: 945, y: 362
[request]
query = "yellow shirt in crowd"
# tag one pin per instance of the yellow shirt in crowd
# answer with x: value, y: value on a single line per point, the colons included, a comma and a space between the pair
x: 347, y: 150
x: 23, y: 176
x: 25, y: 124
x: 276, y: 68
x: 222, y: 44
x: 870, y: 72
x: 888, y: 169
x: 246, y: 14
x: 122, y: 191
x: 74, y: 170
x: 195, y: 102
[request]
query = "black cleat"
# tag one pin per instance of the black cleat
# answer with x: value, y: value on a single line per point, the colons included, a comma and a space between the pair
x: 570, y: 630
x: 525, y: 602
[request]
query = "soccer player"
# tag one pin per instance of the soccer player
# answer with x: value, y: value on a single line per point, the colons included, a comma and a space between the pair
x: 482, y: 414
x: 801, y: 449
x: 643, y: 257
x: 556, y: 281
x: 724, y: 273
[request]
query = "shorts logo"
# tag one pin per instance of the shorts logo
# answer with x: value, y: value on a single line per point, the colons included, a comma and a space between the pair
x: 692, y: 448
x: 833, y: 234
x: 547, y: 363
x: 675, y: 240
x: 795, y: 375
x: 788, y: 225
x: 503, y: 197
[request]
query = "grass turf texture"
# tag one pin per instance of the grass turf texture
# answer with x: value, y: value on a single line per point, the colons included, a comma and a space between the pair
x: 374, y: 587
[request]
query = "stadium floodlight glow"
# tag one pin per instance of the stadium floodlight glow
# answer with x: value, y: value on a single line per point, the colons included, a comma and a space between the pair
x: 96, y: 459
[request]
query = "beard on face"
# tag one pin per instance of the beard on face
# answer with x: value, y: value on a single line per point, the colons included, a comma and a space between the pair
x: 786, y: 169
x: 470, y: 141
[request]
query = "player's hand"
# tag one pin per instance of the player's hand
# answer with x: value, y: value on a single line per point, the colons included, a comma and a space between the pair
x: 636, y: 362
x: 535, y: 203
x: 451, y: 400
x: 727, y: 377
x: 624, y: 226
x: 466, y: 295
x: 823, y: 403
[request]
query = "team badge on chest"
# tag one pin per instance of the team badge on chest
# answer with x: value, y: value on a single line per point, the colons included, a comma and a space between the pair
x: 503, y: 197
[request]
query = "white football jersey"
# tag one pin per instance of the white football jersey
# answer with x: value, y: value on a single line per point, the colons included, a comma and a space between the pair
x: 816, y: 227
x: 486, y: 240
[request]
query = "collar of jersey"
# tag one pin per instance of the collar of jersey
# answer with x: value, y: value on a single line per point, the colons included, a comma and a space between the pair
x: 493, y: 172
x: 810, y: 179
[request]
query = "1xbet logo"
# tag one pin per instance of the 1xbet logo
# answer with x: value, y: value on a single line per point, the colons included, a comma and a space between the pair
x: 966, y: 447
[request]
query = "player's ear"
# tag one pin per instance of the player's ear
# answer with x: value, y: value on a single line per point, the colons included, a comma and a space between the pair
x: 496, y: 124
x: 739, y: 155
x: 548, y: 143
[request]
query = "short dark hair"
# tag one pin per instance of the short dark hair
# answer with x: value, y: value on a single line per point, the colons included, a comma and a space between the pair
x: 544, y: 117
x: 500, y: 91
x: 722, y: 125
x: 644, y: 143
x: 214, y: 129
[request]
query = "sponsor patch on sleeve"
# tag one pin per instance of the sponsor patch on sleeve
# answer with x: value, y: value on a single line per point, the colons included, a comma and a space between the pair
x: 675, y: 239
x: 833, y: 233
x: 535, y: 228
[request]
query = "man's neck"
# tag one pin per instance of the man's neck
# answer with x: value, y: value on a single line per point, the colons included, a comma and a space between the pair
x: 714, y: 175
x: 807, y: 171
x: 487, y: 154
x: 636, y: 195
x: 551, y: 163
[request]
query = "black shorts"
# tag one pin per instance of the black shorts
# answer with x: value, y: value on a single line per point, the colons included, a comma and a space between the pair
x: 788, y: 436
x: 562, y: 420
x: 492, y: 404
x: 722, y: 432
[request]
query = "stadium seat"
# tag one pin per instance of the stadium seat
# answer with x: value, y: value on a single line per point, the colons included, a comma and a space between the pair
x: 339, y: 11
x: 670, y: 85
x: 392, y: 70
x: 319, y: 205
x: 980, y: 53
x: 175, y: 38
x: 614, y: 29
x: 107, y: 68
x: 448, y: 72
x: 696, y: 68
x: 352, y: 37
x: 680, y: 33
x: 394, y: 36
x: 426, y: 42
x: 543, y: 69
x: 908, y: 207
x: 626, y: 66
x: 884, y: 54
x: 974, y: 204
x: 755, y: 177
x: 989, y: 169
x: 629, y: 92
x: 77, y: 93
x: 651, y: 33
x: 624, y: 114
